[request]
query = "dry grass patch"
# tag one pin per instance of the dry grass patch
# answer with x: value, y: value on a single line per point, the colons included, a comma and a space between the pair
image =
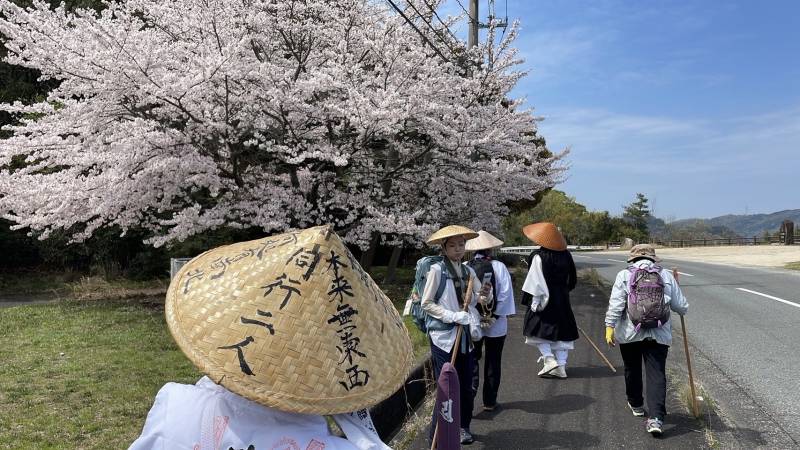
x: 593, y: 277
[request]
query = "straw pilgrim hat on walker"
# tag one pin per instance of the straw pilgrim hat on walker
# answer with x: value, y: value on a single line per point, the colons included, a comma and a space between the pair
x: 449, y: 231
x: 290, y: 321
x: 546, y: 235
x: 484, y: 241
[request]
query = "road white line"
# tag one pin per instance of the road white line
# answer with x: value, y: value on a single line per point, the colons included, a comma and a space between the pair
x: 771, y: 297
x: 687, y: 274
x: 581, y: 256
x: 617, y: 260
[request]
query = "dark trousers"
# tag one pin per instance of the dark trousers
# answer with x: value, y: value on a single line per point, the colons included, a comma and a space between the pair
x: 464, y: 369
x: 491, y: 368
x: 654, y: 356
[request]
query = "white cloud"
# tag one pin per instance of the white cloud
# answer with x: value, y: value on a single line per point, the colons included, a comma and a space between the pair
x: 700, y: 167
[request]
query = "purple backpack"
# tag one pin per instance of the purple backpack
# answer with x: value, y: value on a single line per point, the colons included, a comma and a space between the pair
x: 646, y: 305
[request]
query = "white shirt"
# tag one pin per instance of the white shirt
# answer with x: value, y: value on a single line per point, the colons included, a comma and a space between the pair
x: 535, y: 283
x: 448, y: 304
x: 505, y: 300
x: 206, y: 416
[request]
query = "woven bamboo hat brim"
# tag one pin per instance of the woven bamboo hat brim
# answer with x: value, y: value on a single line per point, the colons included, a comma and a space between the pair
x: 451, y: 231
x: 484, y: 241
x: 546, y: 235
x: 292, y: 322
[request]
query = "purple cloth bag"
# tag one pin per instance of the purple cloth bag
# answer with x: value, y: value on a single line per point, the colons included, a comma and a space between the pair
x: 448, y: 409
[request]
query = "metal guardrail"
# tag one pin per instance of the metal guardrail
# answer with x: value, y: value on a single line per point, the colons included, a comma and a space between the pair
x: 175, y: 265
x: 527, y: 249
x: 755, y: 240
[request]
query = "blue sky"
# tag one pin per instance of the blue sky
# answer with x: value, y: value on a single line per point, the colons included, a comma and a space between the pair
x: 696, y: 104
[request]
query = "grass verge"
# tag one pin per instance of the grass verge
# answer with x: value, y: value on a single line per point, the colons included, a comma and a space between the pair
x: 593, y: 277
x: 80, y: 374
x: 416, y: 423
x: 706, y: 406
x: 793, y: 265
x: 75, y: 286
x: 83, y: 374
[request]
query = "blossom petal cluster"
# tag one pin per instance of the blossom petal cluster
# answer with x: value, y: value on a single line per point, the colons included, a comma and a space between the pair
x: 183, y: 116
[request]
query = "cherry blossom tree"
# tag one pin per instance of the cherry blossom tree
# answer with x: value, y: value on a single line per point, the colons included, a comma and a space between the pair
x: 187, y: 115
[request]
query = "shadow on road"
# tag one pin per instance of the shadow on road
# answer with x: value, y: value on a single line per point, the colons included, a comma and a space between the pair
x: 558, y: 404
x: 593, y: 372
x: 533, y: 438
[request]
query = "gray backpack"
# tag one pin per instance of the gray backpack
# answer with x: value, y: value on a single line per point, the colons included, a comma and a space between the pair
x: 646, y: 306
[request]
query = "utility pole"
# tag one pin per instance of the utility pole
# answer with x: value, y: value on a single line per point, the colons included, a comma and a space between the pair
x: 474, y: 24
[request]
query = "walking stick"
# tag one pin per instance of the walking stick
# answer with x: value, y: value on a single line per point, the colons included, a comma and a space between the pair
x: 688, y: 359
x: 608, y: 363
x: 456, y: 346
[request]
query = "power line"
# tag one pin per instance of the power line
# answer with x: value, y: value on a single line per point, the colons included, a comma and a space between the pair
x: 422, y: 35
x: 463, y: 9
x: 430, y: 25
x: 433, y: 10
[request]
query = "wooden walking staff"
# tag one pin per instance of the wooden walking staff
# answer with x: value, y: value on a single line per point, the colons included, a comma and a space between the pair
x: 608, y: 363
x: 688, y: 359
x: 456, y: 348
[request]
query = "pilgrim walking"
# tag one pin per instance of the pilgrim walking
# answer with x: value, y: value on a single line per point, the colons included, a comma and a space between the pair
x: 549, y: 321
x: 494, y: 314
x: 638, y: 318
x: 447, y: 307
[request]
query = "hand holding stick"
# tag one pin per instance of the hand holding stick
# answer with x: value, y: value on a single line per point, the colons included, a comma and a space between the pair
x: 464, y: 307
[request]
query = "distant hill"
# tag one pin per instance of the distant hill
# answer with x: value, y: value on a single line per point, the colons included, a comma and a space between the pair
x: 743, y: 225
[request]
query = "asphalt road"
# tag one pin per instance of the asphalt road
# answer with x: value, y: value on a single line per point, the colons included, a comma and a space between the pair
x: 744, y: 329
x: 587, y: 410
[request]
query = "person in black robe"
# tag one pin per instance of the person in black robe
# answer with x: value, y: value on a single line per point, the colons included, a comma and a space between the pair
x: 549, y: 321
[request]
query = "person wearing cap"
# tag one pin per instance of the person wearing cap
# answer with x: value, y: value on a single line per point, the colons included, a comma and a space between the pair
x: 494, y: 317
x: 639, y: 344
x: 286, y: 329
x: 450, y: 310
x: 549, y: 322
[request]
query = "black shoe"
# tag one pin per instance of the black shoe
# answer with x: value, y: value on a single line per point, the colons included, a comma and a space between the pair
x: 638, y: 411
x: 466, y: 437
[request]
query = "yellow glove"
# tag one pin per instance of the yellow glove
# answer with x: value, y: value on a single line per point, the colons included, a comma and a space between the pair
x: 610, y: 336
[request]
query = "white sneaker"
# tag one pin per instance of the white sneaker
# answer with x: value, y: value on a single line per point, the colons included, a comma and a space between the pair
x: 561, y: 372
x: 550, y: 364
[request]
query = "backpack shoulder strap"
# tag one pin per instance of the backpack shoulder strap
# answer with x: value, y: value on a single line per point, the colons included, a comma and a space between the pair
x: 632, y: 275
x: 442, y: 281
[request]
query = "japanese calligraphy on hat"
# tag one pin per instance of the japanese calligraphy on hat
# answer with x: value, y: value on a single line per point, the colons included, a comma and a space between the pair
x: 292, y: 322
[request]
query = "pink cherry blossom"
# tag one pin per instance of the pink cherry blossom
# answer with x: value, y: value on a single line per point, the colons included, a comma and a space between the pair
x: 183, y: 116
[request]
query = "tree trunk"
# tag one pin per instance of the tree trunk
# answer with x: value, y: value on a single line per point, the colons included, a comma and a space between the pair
x: 368, y: 256
x: 392, y: 268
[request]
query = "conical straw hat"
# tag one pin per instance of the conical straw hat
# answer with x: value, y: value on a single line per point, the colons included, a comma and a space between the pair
x: 292, y: 322
x: 483, y: 241
x: 450, y: 231
x: 546, y: 235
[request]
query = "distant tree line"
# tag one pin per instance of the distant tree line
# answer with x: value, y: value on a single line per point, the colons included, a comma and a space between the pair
x: 584, y: 227
x: 579, y: 225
